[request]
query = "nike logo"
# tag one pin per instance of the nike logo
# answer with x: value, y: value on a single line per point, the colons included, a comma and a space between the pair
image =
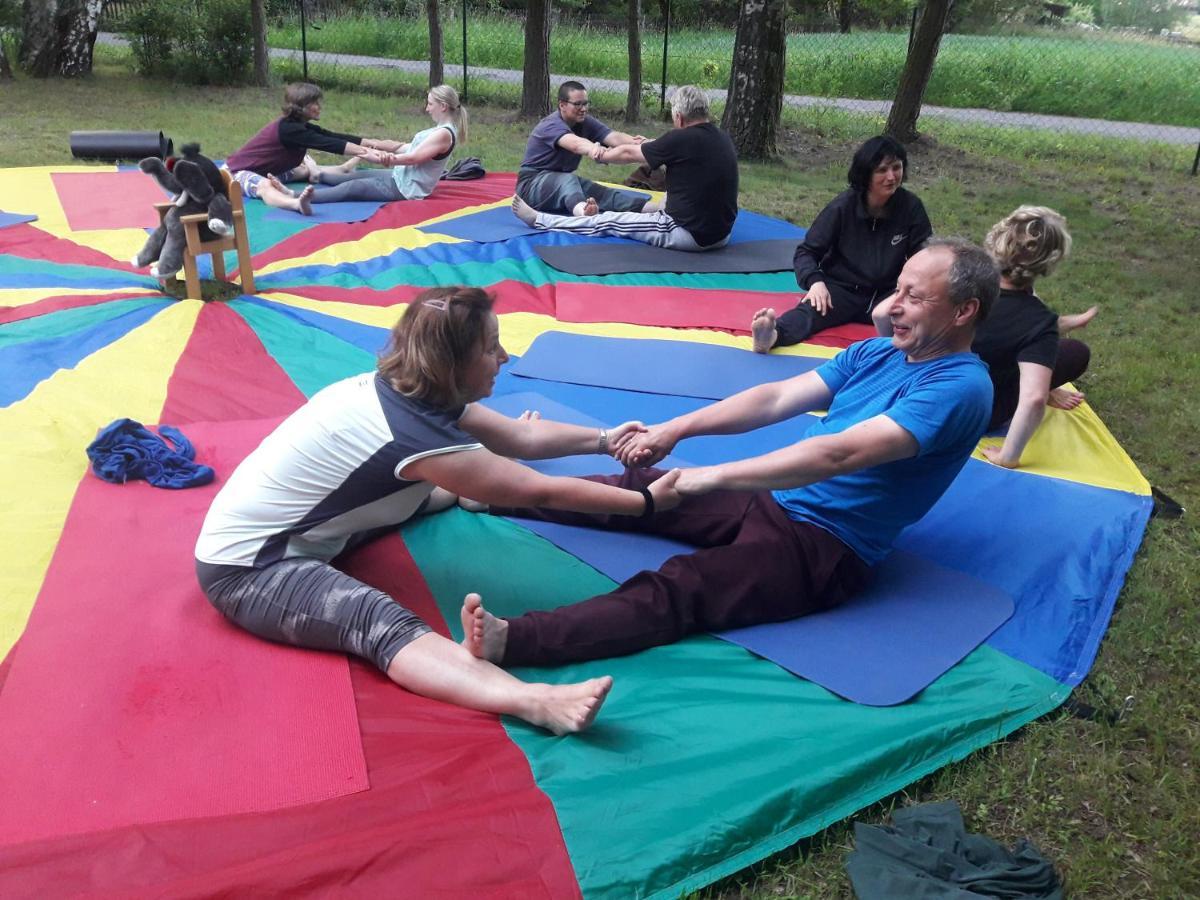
x: 897, y: 238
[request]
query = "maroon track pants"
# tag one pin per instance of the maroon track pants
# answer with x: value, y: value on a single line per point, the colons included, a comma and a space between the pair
x: 754, y: 564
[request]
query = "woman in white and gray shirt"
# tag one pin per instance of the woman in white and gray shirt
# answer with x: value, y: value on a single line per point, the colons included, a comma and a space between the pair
x: 364, y: 455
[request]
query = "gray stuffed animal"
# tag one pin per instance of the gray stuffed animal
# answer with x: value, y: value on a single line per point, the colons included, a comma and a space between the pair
x: 196, y: 183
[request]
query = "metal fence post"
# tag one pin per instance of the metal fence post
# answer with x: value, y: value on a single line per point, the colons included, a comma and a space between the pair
x: 1196, y: 161
x: 464, y: 18
x: 303, y: 39
x: 662, y: 100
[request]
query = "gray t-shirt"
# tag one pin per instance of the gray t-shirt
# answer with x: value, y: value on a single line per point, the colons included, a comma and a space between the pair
x: 542, y: 152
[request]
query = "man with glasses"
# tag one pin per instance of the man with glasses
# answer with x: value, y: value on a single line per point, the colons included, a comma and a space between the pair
x: 547, y: 179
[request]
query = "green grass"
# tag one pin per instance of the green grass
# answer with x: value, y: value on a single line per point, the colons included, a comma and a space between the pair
x: 1117, y: 806
x: 1064, y: 73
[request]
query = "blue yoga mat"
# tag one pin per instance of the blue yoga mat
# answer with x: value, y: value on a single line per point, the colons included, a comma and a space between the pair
x: 880, y: 648
x: 484, y: 227
x: 678, y: 368
x: 8, y: 218
x: 585, y: 464
x: 356, y: 211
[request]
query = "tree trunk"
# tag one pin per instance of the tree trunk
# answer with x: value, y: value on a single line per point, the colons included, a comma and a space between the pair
x: 535, y: 88
x: 902, y: 120
x: 845, y: 7
x: 633, y: 100
x: 754, y: 102
x: 5, y: 69
x: 258, y: 29
x: 59, y: 36
x: 437, y: 70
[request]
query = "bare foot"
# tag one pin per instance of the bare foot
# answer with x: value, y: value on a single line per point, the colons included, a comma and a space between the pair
x: 1076, y: 320
x: 591, y: 207
x: 304, y: 201
x: 312, y: 170
x: 274, y: 181
x: 567, y: 708
x: 474, y: 506
x: 484, y: 635
x: 762, y: 327
x: 1061, y: 398
x: 524, y: 211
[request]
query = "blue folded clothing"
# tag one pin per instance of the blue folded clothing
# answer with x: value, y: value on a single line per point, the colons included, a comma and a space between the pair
x: 126, y: 450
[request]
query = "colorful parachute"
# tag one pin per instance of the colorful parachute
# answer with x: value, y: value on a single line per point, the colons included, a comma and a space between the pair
x: 148, y: 747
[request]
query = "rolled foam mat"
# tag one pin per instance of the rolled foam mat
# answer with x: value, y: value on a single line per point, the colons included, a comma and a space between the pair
x: 679, y: 368
x: 630, y: 256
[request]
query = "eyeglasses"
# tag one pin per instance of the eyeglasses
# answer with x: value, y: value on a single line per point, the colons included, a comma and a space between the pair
x: 578, y: 104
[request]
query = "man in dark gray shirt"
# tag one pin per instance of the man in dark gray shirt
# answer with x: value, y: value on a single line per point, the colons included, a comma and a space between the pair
x: 547, y: 179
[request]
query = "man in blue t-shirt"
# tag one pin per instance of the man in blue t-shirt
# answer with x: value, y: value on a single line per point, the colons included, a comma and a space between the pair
x: 798, y: 529
x: 702, y: 185
x: 547, y: 179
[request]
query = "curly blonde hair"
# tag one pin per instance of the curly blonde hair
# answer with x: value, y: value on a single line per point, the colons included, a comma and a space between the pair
x: 1028, y: 243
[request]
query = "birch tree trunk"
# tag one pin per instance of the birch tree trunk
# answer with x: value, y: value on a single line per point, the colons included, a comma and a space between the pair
x: 906, y: 108
x: 535, y: 87
x: 754, y: 102
x: 59, y: 36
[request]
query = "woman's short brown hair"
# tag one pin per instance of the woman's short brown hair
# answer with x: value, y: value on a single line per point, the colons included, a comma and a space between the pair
x: 297, y: 97
x: 439, y: 335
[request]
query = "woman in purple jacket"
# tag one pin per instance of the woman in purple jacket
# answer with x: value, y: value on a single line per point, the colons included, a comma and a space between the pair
x: 279, y: 152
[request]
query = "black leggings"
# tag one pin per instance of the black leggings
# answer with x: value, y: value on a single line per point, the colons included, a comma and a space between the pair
x: 848, y: 305
x: 1072, y: 361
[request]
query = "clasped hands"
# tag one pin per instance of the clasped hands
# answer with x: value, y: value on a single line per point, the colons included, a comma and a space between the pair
x: 599, y: 150
x: 378, y: 157
x: 634, y: 444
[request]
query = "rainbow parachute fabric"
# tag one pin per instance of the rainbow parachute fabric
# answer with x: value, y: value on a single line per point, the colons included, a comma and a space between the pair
x: 149, y: 748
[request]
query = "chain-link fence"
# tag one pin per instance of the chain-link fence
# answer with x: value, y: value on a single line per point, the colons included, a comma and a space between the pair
x: 1070, y: 78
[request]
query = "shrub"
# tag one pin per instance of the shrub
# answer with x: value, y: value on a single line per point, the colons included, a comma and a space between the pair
x: 206, y: 42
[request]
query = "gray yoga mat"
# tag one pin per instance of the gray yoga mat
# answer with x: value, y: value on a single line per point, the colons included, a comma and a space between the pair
x: 627, y: 256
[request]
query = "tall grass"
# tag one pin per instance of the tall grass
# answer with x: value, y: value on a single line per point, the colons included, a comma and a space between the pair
x: 1094, y: 76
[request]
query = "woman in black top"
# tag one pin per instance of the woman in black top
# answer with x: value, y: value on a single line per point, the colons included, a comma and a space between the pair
x: 1020, y: 339
x: 854, y: 251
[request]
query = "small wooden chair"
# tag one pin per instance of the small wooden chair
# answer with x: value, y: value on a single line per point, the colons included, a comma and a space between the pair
x: 239, y: 240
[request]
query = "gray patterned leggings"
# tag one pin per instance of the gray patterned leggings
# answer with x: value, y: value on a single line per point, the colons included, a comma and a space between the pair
x: 308, y: 603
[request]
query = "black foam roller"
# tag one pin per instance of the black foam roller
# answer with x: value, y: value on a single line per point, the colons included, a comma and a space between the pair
x: 113, y: 145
